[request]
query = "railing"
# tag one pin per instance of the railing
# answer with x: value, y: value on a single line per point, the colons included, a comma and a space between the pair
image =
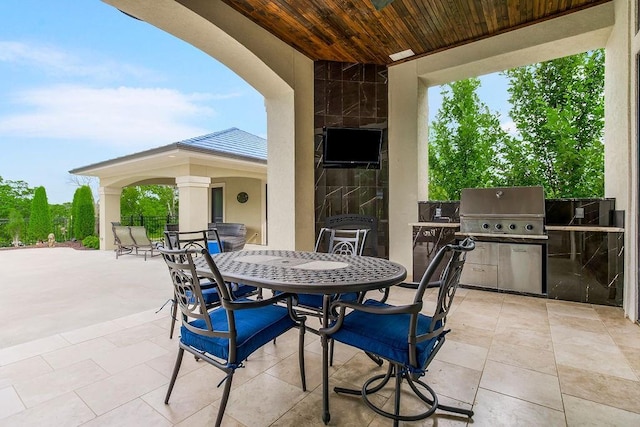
x: 153, y: 224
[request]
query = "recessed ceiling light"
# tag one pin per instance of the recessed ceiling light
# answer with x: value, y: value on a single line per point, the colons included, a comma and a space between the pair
x: 401, y: 55
x: 171, y: 156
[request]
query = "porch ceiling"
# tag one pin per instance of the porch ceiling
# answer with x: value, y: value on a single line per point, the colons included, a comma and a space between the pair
x: 354, y: 31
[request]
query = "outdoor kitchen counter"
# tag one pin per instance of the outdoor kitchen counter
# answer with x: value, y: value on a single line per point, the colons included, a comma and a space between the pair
x: 585, y: 263
x: 428, y: 238
x: 584, y: 228
x: 435, y: 224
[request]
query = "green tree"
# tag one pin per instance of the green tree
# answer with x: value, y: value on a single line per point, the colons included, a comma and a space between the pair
x: 558, y: 109
x: 84, y: 214
x: 16, y: 226
x: 463, y: 142
x: 149, y: 200
x: 15, y: 195
x: 40, y: 218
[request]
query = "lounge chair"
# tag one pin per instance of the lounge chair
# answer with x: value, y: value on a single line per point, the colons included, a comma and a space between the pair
x: 123, y: 240
x: 141, y: 240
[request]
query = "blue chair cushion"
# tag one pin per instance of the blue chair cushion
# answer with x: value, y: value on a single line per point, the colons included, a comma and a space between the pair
x: 210, y: 296
x: 385, y: 335
x: 255, y: 327
x: 240, y: 289
x: 312, y: 300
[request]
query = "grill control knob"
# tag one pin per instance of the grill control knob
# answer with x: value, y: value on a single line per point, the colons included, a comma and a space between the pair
x: 528, y: 227
x: 498, y: 226
x: 512, y: 226
x: 485, y: 226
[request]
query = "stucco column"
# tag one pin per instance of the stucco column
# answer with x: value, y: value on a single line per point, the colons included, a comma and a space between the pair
x: 404, y: 160
x: 109, y: 212
x: 193, y: 196
x: 290, y: 193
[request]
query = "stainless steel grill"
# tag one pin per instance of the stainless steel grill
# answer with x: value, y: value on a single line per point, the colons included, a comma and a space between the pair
x: 510, y: 211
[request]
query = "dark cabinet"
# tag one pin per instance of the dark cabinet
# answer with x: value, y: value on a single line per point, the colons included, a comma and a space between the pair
x: 586, y: 266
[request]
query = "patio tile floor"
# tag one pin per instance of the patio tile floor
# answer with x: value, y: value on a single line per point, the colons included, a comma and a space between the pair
x: 519, y: 360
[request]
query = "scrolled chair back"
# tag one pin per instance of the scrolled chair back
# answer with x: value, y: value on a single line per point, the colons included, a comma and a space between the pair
x: 448, y: 284
x: 187, y: 286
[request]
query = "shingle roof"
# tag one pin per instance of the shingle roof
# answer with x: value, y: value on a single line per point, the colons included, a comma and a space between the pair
x: 231, y: 141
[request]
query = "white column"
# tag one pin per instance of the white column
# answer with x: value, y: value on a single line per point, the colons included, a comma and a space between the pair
x: 404, y: 160
x: 194, y: 207
x: 290, y: 193
x: 109, y: 212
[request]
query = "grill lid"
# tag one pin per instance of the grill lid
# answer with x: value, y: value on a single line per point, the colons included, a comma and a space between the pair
x: 502, y: 202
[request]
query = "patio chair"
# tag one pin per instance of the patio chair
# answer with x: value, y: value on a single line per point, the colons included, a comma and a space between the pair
x: 228, y: 334
x: 199, y: 240
x: 406, y: 338
x: 122, y: 238
x: 345, y: 242
x: 142, y: 242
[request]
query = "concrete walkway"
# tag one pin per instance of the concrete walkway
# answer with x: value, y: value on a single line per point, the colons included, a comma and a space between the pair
x: 47, y: 291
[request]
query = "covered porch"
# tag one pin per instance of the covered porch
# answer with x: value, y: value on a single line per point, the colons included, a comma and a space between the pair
x: 285, y: 70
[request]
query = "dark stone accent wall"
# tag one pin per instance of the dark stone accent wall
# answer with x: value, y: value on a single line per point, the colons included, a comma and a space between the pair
x: 351, y: 95
x: 586, y: 266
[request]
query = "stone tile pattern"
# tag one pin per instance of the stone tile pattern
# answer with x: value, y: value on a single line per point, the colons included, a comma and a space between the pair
x: 518, y: 360
x: 351, y: 95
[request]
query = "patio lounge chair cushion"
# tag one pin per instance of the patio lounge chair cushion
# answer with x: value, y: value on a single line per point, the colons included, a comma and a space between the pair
x: 385, y: 336
x: 255, y: 327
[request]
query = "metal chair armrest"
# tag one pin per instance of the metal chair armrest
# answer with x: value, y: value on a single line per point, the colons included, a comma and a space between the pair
x: 390, y: 309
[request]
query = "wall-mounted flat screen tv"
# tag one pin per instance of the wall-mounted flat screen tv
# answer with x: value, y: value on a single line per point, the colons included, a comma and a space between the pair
x: 352, y: 147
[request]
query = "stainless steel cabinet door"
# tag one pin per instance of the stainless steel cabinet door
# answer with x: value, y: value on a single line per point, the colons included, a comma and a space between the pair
x: 520, y: 267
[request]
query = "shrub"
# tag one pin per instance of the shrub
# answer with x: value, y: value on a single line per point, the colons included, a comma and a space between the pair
x: 84, y: 214
x: 92, y: 242
x: 40, y: 218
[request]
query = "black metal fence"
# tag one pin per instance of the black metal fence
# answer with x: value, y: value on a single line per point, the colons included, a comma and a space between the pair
x: 153, y: 224
x: 60, y: 230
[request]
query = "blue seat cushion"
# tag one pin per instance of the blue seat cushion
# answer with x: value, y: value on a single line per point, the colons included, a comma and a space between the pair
x: 240, y: 289
x: 315, y: 301
x: 254, y: 327
x: 385, y: 335
x: 210, y: 296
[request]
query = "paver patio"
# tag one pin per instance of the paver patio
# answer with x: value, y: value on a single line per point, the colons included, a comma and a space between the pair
x: 82, y: 345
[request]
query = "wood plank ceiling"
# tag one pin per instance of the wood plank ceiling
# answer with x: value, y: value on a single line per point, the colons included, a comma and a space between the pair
x: 354, y: 31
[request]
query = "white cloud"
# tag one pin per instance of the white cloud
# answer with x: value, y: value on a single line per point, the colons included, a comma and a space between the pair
x: 510, y: 128
x: 137, y: 117
x: 54, y: 61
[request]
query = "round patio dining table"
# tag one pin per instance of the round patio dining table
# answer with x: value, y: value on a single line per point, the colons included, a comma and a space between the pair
x: 310, y: 273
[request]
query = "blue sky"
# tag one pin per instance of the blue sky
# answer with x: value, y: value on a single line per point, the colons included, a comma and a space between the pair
x: 81, y: 82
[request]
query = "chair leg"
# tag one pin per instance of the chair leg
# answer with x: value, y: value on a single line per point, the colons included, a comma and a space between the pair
x: 301, y: 357
x: 176, y: 368
x: 396, y: 409
x: 396, y: 371
x: 331, y: 352
x: 225, y: 398
x: 174, y: 314
x: 375, y: 358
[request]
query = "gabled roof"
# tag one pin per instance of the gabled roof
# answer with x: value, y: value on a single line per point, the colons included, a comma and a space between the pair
x: 231, y: 143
